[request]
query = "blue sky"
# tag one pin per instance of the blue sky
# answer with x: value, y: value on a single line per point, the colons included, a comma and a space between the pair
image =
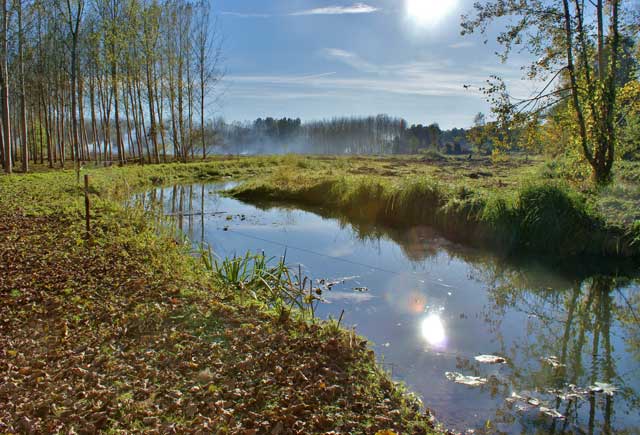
x: 317, y: 59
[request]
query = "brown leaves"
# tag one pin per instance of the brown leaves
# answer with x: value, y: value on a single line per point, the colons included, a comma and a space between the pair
x: 100, y: 341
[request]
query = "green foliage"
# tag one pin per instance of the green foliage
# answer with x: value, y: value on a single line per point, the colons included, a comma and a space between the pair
x: 272, y: 283
x: 512, y: 211
x: 552, y: 218
x: 629, y: 98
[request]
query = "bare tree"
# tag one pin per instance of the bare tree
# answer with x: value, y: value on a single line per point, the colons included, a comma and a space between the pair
x: 208, y: 45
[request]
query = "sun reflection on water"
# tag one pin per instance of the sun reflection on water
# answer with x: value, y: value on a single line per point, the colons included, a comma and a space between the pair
x: 433, y: 331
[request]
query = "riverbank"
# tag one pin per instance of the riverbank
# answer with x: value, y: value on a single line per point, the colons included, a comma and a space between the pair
x: 124, y: 331
x: 518, y: 205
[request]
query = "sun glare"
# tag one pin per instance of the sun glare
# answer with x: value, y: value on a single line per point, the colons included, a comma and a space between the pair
x: 428, y: 13
x: 432, y: 330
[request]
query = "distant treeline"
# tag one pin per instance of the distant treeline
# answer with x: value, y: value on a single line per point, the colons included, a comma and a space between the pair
x: 381, y: 134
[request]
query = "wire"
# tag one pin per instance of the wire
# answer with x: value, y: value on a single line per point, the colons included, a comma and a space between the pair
x: 284, y: 245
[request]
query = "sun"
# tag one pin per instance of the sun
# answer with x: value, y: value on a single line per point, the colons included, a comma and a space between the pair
x: 428, y: 13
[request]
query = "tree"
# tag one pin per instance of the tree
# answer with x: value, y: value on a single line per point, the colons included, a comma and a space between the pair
x: 4, y: 88
x: 23, y: 108
x: 576, y: 63
x: 630, y: 120
x: 76, y: 73
x: 73, y: 15
x: 479, y: 134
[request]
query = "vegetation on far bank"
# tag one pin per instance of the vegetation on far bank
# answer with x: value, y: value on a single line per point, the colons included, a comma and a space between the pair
x: 125, y: 332
x: 516, y: 204
x: 521, y: 203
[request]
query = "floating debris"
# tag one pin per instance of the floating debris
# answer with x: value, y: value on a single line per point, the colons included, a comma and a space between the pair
x: 490, y: 359
x: 533, y: 401
x: 553, y: 361
x: 602, y: 387
x: 523, y: 407
x: 525, y: 399
x: 551, y: 412
x: 330, y: 283
x: 572, y: 392
x: 459, y: 378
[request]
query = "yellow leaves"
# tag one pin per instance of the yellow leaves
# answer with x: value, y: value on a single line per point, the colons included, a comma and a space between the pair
x: 213, y: 389
x: 629, y: 96
x: 386, y: 432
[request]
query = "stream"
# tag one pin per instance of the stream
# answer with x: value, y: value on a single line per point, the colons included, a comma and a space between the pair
x: 491, y: 344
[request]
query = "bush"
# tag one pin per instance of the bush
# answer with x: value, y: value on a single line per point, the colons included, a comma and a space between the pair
x: 552, y: 219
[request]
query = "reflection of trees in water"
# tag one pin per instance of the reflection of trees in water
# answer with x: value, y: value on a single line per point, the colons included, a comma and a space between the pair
x: 175, y: 207
x: 576, y: 325
x: 572, y: 315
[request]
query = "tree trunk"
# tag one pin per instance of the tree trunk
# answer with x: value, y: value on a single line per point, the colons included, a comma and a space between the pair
x: 23, y: 108
x: 4, y: 91
x: 152, y: 116
x: 114, y: 83
x: 94, y: 124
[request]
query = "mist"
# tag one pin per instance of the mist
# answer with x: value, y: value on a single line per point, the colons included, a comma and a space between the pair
x: 381, y: 134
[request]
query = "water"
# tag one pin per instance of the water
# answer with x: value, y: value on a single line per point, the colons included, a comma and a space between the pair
x: 431, y: 306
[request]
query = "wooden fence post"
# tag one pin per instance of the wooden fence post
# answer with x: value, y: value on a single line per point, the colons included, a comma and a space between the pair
x: 87, y: 204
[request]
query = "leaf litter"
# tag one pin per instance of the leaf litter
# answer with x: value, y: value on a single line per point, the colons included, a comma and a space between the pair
x: 114, y: 339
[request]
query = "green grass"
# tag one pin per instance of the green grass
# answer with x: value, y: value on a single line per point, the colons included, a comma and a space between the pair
x: 521, y: 204
x: 186, y: 308
x: 512, y: 207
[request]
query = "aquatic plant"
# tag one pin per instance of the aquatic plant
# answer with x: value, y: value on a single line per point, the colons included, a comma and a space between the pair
x: 267, y: 280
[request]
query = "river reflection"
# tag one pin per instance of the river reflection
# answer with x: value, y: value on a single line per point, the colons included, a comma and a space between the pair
x: 569, y: 335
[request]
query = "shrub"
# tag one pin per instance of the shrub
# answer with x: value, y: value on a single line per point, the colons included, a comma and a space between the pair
x: 552, y: 219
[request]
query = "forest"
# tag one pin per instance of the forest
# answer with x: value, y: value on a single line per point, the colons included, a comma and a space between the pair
x: 110, y: 81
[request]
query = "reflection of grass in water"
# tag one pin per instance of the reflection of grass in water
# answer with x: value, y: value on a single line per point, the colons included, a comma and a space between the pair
x: 548, y: 216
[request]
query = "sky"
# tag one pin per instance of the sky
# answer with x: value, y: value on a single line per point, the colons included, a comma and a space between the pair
x: 317, y: 59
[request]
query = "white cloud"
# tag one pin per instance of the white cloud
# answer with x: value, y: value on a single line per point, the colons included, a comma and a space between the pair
x: 442, y: 79
x: 405, y: 83
x: 282, y: 79
x: 356, y: 8
x: 349, y: 58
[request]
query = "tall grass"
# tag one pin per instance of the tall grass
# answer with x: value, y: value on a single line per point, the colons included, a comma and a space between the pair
x: 266, y: 280
x: 546, y: 217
